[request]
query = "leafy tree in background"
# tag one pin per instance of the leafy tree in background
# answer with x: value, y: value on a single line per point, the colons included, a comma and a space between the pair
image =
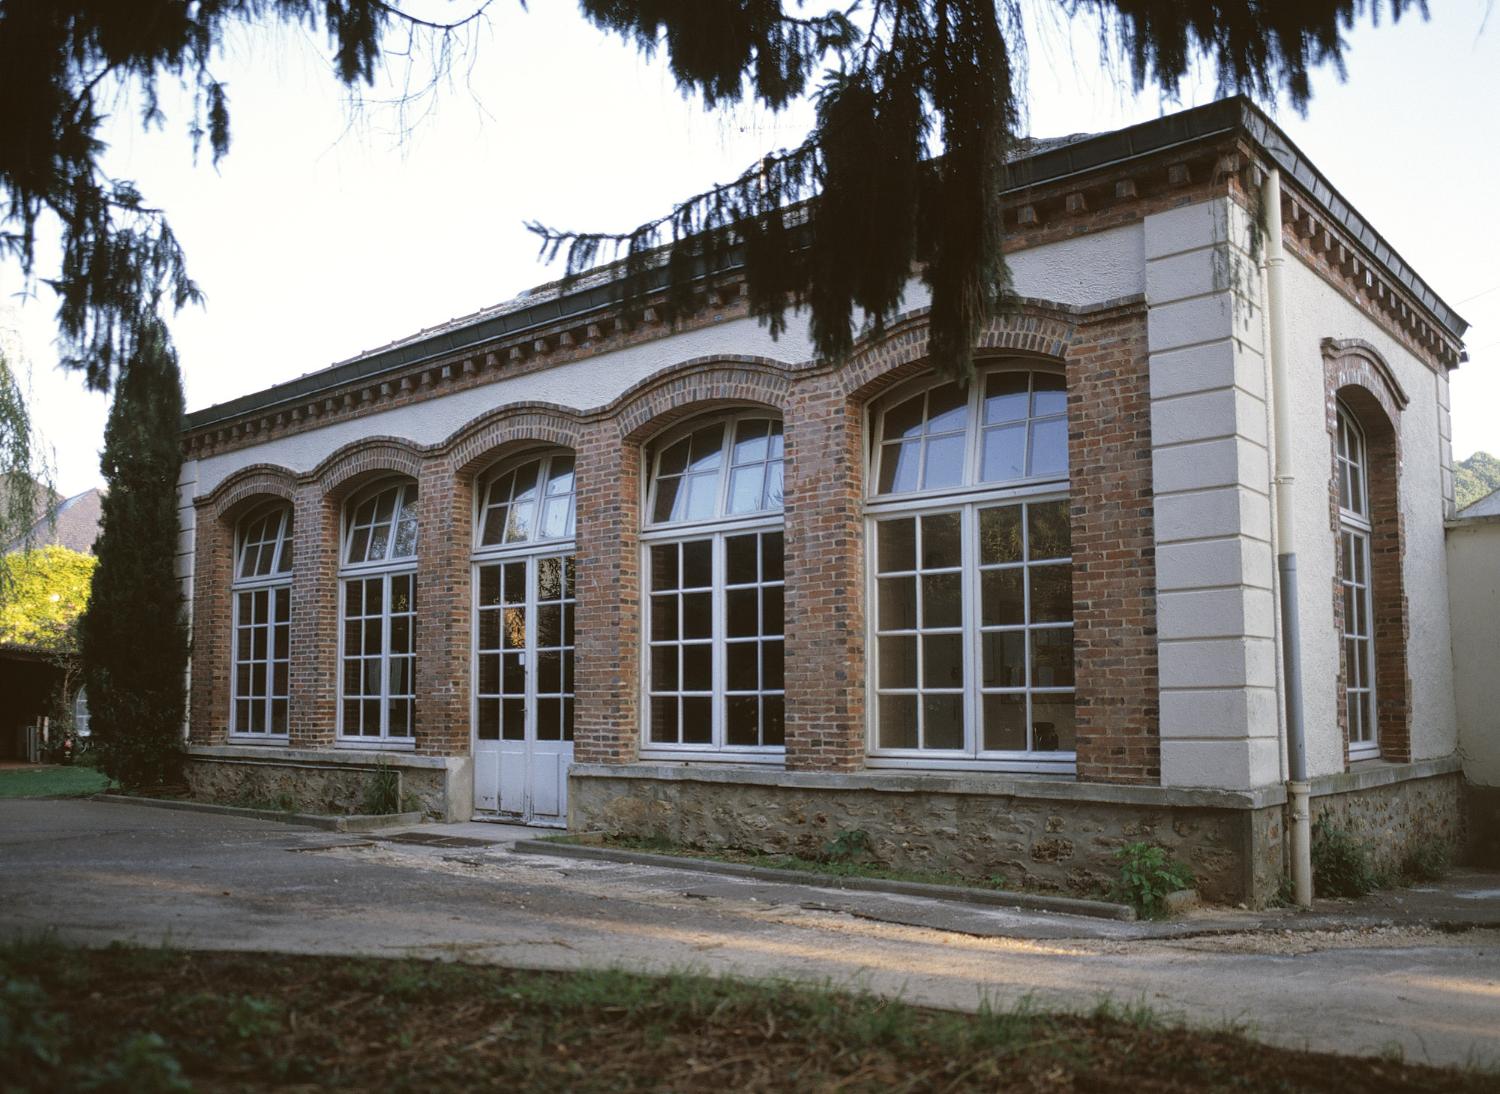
x: 42, y: 593
x: 902, y: 78
x: 25, y: 481
x: 1475, y: 478
x: 132, y: 638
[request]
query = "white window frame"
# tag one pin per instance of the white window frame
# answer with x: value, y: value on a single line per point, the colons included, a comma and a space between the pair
x: 717, y: 529
x: 531, y: 553
x: 385, y: 569
x: 967, y: 498
x: 1351, y: 456
x: 270, y: 584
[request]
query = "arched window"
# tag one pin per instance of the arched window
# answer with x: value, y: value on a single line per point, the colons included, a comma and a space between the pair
x: 262, y: 593
x: 378, y: 605
x: 1351, y: 458
x: 971, y: 587
x: 713, y: 561
x: 524, y: 623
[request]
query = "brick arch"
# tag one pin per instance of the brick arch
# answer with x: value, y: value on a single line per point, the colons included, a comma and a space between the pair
x: 695, y: 388
x: 228, y: 500
x: 1356, y: 376
x: 500, y: 433
x: 1027, y: 328
x: 355, y: 464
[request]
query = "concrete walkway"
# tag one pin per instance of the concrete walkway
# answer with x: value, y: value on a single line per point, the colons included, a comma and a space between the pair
x: 1359, y: 980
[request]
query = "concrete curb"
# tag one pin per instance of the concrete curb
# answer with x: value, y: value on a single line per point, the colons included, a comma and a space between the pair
x: 355, y: 823
x: 1097, y: 909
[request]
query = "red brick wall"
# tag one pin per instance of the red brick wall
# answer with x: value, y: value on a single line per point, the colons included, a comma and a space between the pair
x: 1104, y: 354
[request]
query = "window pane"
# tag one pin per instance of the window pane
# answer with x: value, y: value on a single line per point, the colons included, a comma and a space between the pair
x: 697, y: 667
x: 666, y: 499
x: 1049, y: 394
x: 898, y: 467
x: 664, y: 618
x: 751, y: 441
x: 664, y: 566
x: 941, y: 541
x: 771, y: 619
x: 663, y: 728
x: 898, y: 603
x: 740, y: 559
x: 742, y: 720
x: 898, y: 721
x: 774, y: 486
x: 702, y: 497
x: 898, y: 661
x: 941, y: 601
x: 895, y: 542
x: 947, y: 408
x: 773, y: 665
x: 674, y: 459
x: 697, y: 617
x: 1002, y: 600
x: 1004, y: 454
x: 741, y: 609
x: 1000, y: 534
x: 943, y: 661
x: 697, y: 720
x: 697, y: 564
x: 943, y: 721
x: 663, y: 668
x: 1048, y: 530
x: 745, y: 488
x: 772, y: 549
x: 773, y: 720
x: 1049, y: 447
x: 1052, y: 658
x: 1052, y: 723
x: 708, y: 448
x: 742, y: 666
x: 904, y: 419
x: 1051, y: 594
x: 1004, y: 657
x: 1005, y: 397
x: 945, y: 462
x: 1005, y: 723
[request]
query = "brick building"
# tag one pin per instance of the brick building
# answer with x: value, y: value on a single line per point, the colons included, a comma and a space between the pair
x: 691, y: 581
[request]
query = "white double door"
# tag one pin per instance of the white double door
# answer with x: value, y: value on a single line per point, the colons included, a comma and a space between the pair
x: 523, y: 686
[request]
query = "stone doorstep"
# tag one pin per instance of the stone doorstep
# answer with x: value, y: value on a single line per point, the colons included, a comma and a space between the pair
x: 352, y: 823
x: 1098, y: 909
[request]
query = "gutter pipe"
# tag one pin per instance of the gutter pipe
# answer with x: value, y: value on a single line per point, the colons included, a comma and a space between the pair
x: 1297, y: 788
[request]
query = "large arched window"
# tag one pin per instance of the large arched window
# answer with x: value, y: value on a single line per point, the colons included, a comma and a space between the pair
x: 971, y: 588
x: 377, y: 690
x: 523, y: 628
x: 1351, y: 457
x: 713, y: 545
x: 262, y: 595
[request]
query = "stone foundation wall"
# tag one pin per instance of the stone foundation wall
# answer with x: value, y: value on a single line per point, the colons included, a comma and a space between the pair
x: 1052, y: 836
x: 312, y: 782
x: 1396, y: 816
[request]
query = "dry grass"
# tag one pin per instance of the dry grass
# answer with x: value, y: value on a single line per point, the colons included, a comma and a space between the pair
x: 144, y: 1020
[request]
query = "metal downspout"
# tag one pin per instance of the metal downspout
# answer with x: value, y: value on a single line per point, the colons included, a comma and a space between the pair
x: 1286, y: 550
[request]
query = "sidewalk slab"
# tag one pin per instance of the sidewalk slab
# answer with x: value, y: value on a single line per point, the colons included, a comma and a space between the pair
x: 331, y: 823
x: 1097, y: 909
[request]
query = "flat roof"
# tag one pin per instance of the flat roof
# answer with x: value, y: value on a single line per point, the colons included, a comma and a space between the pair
x: 1047, y: 161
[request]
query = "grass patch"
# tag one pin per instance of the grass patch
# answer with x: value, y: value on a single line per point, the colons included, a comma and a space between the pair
x: 73, y: 781
x: 161, y: 1020
x: 834, y: 865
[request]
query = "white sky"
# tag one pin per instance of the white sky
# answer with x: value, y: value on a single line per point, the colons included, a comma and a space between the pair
x: 321, y: 236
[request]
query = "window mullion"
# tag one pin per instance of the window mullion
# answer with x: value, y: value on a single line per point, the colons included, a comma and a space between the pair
x: 970, y: 591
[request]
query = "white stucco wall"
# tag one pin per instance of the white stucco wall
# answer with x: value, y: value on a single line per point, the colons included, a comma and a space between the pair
x: 1316, y: 311
x: 1474, y: 604
x: 1080, y: 271
x: 1215, y: 607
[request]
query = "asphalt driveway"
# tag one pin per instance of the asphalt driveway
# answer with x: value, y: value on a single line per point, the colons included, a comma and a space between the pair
x: 97, y: 872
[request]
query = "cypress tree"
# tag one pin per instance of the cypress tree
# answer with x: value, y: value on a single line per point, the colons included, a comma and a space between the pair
x: 132, y: 639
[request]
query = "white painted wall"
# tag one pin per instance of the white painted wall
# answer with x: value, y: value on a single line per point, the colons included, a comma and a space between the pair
x: 1316, y: 311
x: 1474, y: 602
x: 1215, y: 608
x: 1080, y: 271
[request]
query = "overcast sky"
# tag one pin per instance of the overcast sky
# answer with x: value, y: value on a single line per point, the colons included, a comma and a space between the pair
x: 323, y: 233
